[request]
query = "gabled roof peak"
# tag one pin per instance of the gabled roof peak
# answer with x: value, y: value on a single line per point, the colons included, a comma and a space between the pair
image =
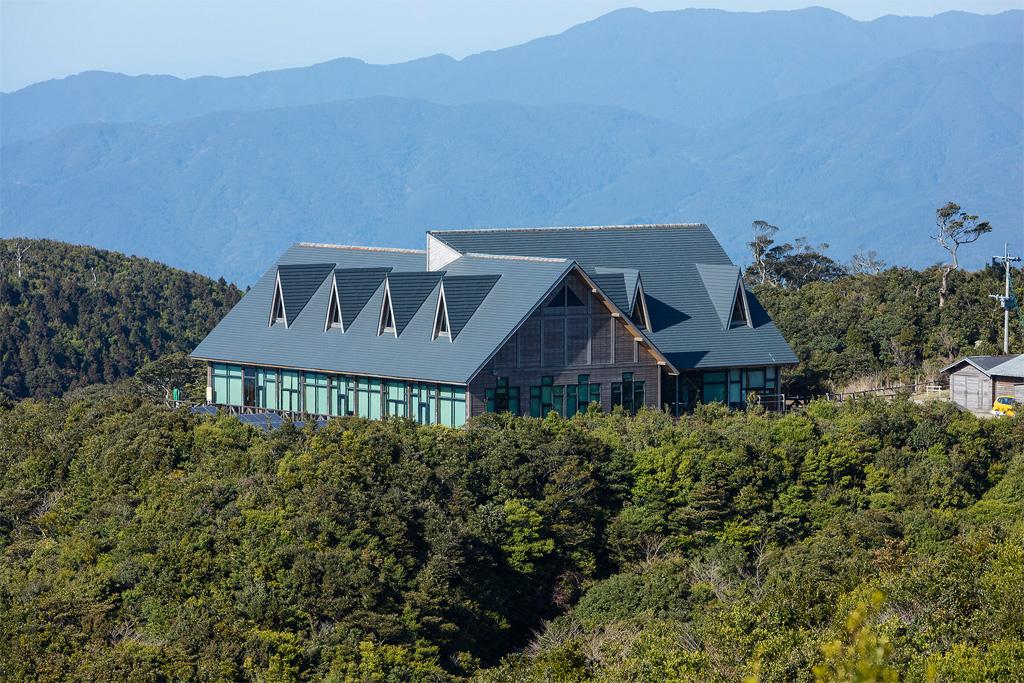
x: 572, y: 228
x: 356, y: 247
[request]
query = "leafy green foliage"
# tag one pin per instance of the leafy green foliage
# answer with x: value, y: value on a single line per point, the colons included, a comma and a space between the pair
x: 78, y: 316
x: 889, y: 326
x: 140, y: 543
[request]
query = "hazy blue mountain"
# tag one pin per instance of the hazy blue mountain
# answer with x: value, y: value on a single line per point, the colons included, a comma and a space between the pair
x: 224, y: 193
x: 692, y: 67
x: 859, y: 165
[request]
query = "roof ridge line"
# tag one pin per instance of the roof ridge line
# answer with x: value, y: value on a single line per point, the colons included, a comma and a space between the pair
x: 512, y: 257
x: 395, y: 250
x: 570, y: 228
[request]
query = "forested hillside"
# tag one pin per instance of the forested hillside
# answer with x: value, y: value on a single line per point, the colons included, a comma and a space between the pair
x: 75, y: 315
x: 887, y: 327
x: 142, y: 544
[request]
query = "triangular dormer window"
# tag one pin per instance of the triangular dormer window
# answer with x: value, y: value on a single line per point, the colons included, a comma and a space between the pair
x: 334, y: 310
x: 740, y: 313
x: 441, y: 328
x: 639, y: 314
x: 277, y: 312
x: 387, y: 313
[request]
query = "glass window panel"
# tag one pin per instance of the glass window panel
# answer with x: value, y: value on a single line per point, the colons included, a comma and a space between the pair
x: 368, y: 390
x: 459, y: 411
x: 315, y: 393
x: 638, y: 395
x: 396, y: 404
x: 266, y: 388
x: 424, y: 397
x: 289, y: 390
x: 227, y: 384
x: 513, y: 400
x: 711, y: 377
x: 714, y: 392
x: 341, y: 387
x: 558, y: 300
x: 453, y: 406
x: 571, y: 402
x: 220, y: 383
x: 755, y: 379
x: 735, y: 393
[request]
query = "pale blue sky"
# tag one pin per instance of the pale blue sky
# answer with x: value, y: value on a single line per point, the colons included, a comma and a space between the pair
x: 41, y: 39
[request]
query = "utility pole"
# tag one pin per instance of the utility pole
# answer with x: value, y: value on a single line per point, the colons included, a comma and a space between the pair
x: 1006, y: 300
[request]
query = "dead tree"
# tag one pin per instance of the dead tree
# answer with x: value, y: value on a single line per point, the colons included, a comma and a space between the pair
x: 21, y: 249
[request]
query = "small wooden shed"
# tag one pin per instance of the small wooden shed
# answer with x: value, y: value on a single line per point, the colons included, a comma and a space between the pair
x: 976, y: 381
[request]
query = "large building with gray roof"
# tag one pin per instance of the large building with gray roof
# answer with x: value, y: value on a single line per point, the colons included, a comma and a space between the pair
x: 521, y: 320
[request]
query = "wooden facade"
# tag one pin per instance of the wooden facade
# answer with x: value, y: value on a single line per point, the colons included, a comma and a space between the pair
x: 572, y: 335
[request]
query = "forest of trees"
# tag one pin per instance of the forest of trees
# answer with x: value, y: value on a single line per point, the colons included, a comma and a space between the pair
x: 868, y: 324
x: 71, y: 316
x: 888, y: 327
x: 865, y: 541
x: 76, y: 316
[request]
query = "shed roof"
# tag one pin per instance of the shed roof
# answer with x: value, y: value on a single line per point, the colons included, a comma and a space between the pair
x: 986, y: 364
x: 1014, y: 367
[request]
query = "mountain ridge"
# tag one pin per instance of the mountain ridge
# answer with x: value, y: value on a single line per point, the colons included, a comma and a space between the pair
x: 628, y: 58
x: 857, y: 165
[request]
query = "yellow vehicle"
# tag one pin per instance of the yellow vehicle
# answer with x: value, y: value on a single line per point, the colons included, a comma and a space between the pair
x: 1005, y: 405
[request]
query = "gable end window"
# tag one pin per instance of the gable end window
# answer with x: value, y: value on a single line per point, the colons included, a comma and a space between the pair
x: 277, y: 313
x: 334, y: 311
x: 387, y: 313
x: 639, y: 314
x: 740, y: 314
x: 565, y: 298
x: 441, y: 328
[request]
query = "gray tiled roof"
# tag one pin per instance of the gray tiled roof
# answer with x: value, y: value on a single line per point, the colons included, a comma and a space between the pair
x: 685, y: 321
x: 1014, y: 367
x: 244, y: 336
x: 298, y: 283
x: 614, y: 286
x: 463, y: 295
x: 355, y: 287
x: 408, y: 292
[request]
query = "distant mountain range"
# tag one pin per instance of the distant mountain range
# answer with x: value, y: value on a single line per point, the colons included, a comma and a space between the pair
x: 847, y: 132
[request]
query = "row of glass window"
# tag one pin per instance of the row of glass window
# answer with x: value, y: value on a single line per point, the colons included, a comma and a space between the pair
x: 564, y: 399
x: 318, y: 393
x: 733, y: 387
x: 679, y: 394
